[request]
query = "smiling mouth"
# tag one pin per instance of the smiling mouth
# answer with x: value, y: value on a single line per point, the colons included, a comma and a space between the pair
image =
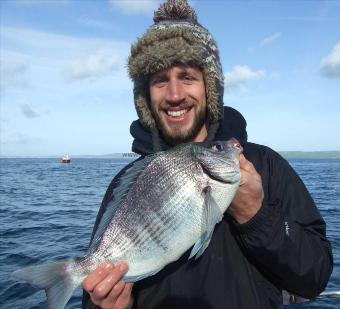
x: 177, y: 113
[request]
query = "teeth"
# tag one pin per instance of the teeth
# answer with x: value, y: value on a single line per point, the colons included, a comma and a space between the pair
x: 176, y: 113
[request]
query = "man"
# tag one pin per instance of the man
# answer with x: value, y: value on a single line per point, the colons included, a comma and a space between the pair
x: 272, y: 237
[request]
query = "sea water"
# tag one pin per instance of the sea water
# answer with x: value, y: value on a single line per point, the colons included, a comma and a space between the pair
x: 48, y: 210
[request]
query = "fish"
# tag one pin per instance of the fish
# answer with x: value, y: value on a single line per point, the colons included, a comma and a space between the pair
x: 163, y: 205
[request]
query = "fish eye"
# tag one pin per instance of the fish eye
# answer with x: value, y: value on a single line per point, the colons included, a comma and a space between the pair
x: 217, y: 147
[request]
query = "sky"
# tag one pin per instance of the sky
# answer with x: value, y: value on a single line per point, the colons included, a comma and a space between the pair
x: 65, y: 88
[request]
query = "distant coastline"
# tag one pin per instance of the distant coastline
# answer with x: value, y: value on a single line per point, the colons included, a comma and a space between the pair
x: 310, y: 154
x: 325, y: 155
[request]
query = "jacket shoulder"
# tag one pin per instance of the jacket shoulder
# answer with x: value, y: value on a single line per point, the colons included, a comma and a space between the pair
x: 233, y: 125
x: 253, y: 151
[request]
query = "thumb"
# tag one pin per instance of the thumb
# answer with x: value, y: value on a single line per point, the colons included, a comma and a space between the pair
x: 247, y: 165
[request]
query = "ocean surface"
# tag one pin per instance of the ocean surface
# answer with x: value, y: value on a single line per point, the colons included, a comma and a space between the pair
x: 48, y: 211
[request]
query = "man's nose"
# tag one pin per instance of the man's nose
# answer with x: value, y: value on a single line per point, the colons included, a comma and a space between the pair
x: 175, y: 93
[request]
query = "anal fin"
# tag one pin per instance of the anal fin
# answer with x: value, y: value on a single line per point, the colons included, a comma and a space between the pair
x: 140, y: 277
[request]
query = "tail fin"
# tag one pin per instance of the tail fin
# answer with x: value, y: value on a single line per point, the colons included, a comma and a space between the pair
x: 55, y: 278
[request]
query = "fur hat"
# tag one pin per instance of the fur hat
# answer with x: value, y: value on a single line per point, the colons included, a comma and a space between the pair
x: 176, y: 37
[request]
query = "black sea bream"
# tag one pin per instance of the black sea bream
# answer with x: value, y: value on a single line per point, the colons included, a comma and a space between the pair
x: 164, y: 204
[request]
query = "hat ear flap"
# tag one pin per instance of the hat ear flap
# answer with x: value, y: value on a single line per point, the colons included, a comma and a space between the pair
x: 142, y: 104
x: 214, y: 94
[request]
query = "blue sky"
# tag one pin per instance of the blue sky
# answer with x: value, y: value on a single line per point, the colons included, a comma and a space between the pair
x: 65, y: 89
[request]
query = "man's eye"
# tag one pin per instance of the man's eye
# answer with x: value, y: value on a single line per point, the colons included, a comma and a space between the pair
x: 158, y: 81
x: 188, y: 77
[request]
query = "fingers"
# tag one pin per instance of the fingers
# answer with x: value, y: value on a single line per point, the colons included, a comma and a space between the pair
x: 247, y: 165
x: 124, y: 300
x: 104, y: 284
x: 92, y: 280
x: 116, y: 291
x: 110, y: 282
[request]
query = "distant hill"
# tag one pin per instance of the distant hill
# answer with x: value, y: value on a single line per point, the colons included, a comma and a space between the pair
x: 285, y: 154
x: 310, y: 154
x: 132, y: 156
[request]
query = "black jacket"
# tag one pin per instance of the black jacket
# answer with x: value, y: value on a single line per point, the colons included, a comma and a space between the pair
x: 283, y: 247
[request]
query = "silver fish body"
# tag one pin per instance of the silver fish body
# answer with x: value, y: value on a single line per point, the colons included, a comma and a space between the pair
x: 163, y: 205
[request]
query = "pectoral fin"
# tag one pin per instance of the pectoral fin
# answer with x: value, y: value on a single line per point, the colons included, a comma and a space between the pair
x: 212, y: 215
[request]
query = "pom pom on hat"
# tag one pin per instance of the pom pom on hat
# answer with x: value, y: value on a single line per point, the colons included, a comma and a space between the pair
x: 175, y: 10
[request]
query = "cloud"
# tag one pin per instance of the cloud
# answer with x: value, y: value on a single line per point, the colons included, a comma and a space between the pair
x: 94, y: 65
x: 330, y: 65
x: 18, y: 138
x: 28, y: 111
x: 266, y: 41
x: 40, y: 2
x: 14, y: 68
x: 270, y: 39
x: 45, y: 46
x: 301, y: 18
x: 12, y: 74
x: 133, y: 7
x: 95, y: 24
x: 52, y: 57
x: 240, y: 75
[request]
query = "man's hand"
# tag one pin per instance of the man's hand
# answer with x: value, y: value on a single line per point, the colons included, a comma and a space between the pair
x: 249, y: 197
x: 106, y: 288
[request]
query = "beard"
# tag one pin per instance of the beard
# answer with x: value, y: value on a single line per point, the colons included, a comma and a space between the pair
x: 176, y: 135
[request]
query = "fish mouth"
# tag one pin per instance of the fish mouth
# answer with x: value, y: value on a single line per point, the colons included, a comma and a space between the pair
x: 230, y: 180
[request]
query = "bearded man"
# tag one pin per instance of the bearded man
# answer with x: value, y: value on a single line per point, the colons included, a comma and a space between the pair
x: 272, y: 238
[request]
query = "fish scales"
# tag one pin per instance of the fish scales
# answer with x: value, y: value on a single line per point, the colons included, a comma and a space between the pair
x: 150, y: 214
x: 163, y: 205
x: 153, y: 195
x: 154, y: 214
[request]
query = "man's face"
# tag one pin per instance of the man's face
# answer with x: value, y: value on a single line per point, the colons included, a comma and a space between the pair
x: 178, y: 104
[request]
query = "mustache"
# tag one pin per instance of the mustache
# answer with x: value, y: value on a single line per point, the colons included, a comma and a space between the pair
x: 182, y: 104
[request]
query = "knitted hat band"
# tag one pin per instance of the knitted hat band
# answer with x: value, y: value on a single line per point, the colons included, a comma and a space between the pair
x: 159, y: 48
